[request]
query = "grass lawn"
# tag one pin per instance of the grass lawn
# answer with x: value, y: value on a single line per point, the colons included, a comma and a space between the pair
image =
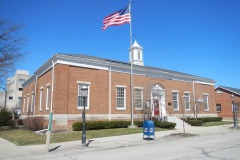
x: 24, y: 137
x: 208, y: 124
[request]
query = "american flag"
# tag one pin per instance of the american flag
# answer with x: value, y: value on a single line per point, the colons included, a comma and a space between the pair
x: 118, y: 18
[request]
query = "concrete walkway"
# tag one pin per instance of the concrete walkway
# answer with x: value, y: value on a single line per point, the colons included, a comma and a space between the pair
x: 11, y: 151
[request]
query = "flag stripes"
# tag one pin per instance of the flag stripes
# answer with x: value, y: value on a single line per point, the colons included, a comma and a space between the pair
x: 117, y: 18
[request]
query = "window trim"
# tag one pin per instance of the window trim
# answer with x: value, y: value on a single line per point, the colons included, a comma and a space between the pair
x: 124, y: 87
x: 40, y: 99
x: 21, y: 80
x: 88, y: 96
x: 47, y: 96
x: 24, y: 103
x: 189, y: 102
x: 27, y: 102
x: 141, y: 89
x: 237, y: 104
x: 32, y: 101
x: 206, y: 94
x: 174, y: 91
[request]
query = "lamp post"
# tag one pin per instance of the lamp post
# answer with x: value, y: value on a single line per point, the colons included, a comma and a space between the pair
x: 183, y: 111
x: 234, y: 109
x: 84, y: 90
x: 147, y: 110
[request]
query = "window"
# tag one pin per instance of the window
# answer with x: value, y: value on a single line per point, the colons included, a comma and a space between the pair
x: 27, y: 102
x: 218, y: 107
x: 138, y: 98
x: 121, y: 98
x: 187, y: 101
x: 236, y: 106
x: 205, y: 102
x: 10, y: 98
x: 21, y: 80
x: 32, y: 102
x: 40, y: 100
x: 139, y: 55
x: 175, y: 101
x: 82, y: 94
x: 24, y: 103
x: 20, y: 89
x: 48, y: 97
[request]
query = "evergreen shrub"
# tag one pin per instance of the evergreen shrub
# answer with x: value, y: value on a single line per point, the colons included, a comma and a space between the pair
x: 96, y: 125
x: 168, y: 125
x: 195, y: 122
x: 5, y: 118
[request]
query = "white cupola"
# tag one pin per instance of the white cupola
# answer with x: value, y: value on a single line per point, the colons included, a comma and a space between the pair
x: 135, y: 54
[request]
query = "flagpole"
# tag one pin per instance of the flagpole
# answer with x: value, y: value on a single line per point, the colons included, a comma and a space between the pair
x: 131, y: 74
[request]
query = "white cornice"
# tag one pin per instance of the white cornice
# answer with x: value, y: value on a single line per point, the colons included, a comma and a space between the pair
x: 81, y: 65
x: 211, y: 84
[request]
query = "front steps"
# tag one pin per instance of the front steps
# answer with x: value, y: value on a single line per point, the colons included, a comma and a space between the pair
x: 178, y: 121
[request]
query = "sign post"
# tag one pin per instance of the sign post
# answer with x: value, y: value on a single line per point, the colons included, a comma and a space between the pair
x: 49, y: 131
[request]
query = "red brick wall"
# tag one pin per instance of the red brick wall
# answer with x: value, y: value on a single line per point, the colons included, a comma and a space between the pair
x: 27, y: 92
x: 42, y: 81
x: 225, y: 100
x: 98, y: 89
x: 66, y: 90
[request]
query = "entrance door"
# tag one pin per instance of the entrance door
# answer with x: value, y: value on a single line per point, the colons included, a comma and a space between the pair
x: 156, y: 107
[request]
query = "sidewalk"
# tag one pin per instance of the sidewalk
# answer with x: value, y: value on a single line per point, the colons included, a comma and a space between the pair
x: 11, y: 151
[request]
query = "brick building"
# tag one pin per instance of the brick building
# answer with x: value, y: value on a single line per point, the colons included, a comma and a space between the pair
x: 224, y: 101
x: 56, y: 86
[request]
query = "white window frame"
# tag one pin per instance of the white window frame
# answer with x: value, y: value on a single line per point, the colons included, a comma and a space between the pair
x: 136, y: 98
x: 237, y: 106
x: 24, y: 103
x: 27, y: 102
x: 177, y: 100
x: 40, y: 99
x: 124, y: 98
x: 32, y: 101
x: 187, y: 95
x: 21, y: 80
x: 48, y: 96
x: 88, y: 84
x: 205, y: 102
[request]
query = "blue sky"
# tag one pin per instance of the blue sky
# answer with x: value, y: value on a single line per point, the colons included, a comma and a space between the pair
x: 199, y: 37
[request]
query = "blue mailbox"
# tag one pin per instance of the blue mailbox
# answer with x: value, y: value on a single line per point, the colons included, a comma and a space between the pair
x: 148, y: 129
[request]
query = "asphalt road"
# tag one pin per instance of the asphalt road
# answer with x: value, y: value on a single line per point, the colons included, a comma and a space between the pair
x: 222, y: 146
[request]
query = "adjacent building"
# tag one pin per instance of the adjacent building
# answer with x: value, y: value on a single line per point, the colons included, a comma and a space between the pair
x: 2, y: 99
x: 226, y: 99
x: 13, y: 94
x: 116, y: 90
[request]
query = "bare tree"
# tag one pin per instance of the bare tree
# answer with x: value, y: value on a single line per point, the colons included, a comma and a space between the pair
x: 198, y: 107
x: 145, y: 113
x: 11, y: 43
